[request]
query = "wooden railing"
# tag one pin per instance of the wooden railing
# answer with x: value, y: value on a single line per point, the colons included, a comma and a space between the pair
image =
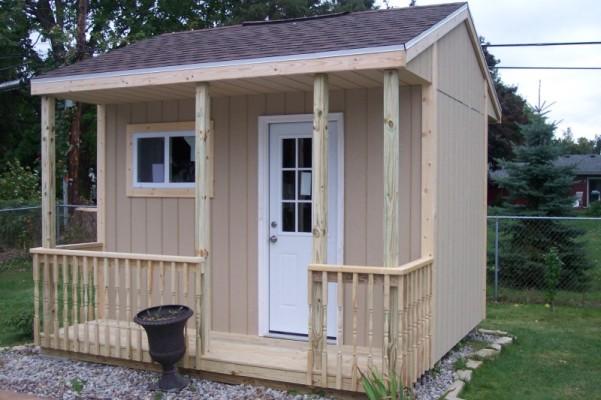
x: 84, y: 300
x: 406, y: 332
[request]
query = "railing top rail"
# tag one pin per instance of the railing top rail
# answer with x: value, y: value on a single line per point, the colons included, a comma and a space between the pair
x: 363, y: 269
x: 544, y: 218
x: 113, y: 255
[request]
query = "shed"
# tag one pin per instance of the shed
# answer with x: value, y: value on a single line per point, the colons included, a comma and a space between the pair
x: 314, y: 188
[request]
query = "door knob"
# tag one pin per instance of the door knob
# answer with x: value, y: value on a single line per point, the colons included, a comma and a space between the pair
x: 273, y: 238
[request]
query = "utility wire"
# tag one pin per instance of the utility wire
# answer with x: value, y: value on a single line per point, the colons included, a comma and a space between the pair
x: 551, y: 68
x: 541, y: 44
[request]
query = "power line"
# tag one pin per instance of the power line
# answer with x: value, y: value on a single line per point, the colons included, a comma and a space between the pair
x: 551, y: 68
x: 541, y: 44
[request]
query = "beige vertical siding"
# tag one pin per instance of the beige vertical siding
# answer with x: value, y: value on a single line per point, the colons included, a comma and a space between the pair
x: 461, y: 233
x: 165, y: 226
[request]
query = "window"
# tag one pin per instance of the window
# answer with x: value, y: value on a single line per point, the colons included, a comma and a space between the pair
x: 163, y: 160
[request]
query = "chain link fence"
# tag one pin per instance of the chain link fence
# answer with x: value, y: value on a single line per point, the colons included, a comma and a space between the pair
x: 544, y: 260
x: 20, y: 228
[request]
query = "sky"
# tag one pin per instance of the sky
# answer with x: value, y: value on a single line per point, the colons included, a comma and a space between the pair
x: 576, y: 94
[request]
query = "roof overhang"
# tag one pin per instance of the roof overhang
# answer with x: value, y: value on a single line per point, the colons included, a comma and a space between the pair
x: 363, y: 59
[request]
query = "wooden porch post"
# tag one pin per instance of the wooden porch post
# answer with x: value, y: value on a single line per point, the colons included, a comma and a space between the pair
x: 317, y: 300
x: 100, y: 200
x: 203, y: 210
x: 48, y: 173
x: 428, y: 186
x: 391, y: 213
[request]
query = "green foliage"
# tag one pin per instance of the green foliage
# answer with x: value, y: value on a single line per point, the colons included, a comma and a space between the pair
x: 552, y: 275
x: 77, y: 385
x: 594, y: 209
x: 379, y: 387
x: 503, y: 137
x: 23, y: 322
x: 537, y: 187
x: 19, y: 185
x: 582, y: 145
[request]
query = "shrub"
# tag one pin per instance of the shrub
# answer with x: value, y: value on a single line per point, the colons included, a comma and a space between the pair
x: 23, y: 322
x: 19, y: 185
x: 379, y: 387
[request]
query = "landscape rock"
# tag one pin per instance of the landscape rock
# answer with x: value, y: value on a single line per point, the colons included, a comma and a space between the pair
x: 473, y: 364
x: 464, y: 374
x: 486, y: 353
x: 504, y: 340
x: 492, y: 332
x: 495, y: 346
x: 454, y: 390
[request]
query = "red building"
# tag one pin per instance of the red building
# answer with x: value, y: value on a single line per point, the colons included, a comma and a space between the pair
x: 586, y: 187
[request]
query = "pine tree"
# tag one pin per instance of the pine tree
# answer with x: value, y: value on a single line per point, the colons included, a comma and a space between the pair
x: 537, y: 187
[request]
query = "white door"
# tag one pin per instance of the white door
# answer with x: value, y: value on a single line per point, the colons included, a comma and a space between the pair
x: 290, y: 237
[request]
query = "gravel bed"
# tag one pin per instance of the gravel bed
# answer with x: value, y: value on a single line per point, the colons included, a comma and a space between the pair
x: 435, y: 383
x: 23, y: 369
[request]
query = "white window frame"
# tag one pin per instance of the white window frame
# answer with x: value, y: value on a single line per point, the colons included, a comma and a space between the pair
x: 166, y: 136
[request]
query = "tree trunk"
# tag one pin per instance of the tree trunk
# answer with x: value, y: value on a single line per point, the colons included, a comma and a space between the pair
x: 73, y: 155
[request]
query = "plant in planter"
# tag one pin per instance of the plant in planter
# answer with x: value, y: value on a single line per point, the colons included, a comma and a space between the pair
x: 164, y: 326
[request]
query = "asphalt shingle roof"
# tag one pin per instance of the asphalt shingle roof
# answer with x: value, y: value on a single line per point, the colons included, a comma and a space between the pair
x: 345, y: 31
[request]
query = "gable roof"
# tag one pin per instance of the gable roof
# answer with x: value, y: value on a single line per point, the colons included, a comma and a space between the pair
x: 582, y: 164
x: 335, y: 33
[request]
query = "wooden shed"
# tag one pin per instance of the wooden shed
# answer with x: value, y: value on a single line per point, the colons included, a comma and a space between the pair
x: 315, y: 189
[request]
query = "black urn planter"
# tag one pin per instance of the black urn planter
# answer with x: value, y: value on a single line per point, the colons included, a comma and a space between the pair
x: 164, y: 326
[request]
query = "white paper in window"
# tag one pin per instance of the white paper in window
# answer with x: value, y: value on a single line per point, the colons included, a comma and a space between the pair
x: 190, y: 141
x: 305, y: 183
x: 158, y: 172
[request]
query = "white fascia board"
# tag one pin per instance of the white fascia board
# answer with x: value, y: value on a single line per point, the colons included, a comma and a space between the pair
x: 242, y: 62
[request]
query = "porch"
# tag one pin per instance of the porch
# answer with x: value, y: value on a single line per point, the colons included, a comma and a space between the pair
x: 85, y: 298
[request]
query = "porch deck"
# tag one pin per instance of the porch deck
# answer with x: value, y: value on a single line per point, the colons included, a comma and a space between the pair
x: 85, y: 298
x: 229, y: 354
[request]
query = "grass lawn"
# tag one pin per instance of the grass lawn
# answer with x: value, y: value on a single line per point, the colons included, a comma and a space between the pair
x: 16, y: 301
x: 557, y: 355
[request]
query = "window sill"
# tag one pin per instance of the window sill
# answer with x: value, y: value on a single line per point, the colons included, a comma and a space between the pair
x: 160, y: 192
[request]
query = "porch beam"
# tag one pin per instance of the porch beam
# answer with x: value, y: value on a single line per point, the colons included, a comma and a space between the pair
x: 202, y: 204
x: 317, y: 304
x: 391, y: 362
x: 48, y: 173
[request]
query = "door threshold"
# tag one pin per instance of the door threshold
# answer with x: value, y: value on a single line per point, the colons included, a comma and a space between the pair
x: 298, y: 337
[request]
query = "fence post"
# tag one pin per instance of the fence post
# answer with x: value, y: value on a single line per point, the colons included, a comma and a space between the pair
x: 496, y: 259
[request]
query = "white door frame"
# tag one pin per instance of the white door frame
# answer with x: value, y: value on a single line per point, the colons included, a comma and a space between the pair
x: 263, y: 205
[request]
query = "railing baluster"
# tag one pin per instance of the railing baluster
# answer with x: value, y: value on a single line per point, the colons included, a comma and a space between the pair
x: 324, y: 329
x: 149, y: 301
x: 339, y: 333
x: 66, y: 282
x: 370, y: 319
x: 55, y: 303
x: 414, y: 325
x: 162, y: 282
x: 401, y: 313
x: 86, y: 333
x: 138, y: 308
x: 36, y: 299
x: 198, y: 293
x: 75, y: 304
x: 116, y: 265
x: 173, y: 284
x: 429, y: 316
x: 311, y: 334
x: 187, y: 303
x: 96, y: 317
x: 386, y: 347
x: 46, y: 308
x: 107, y: 328
x: 355, y: 304
x: 128, y: 315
